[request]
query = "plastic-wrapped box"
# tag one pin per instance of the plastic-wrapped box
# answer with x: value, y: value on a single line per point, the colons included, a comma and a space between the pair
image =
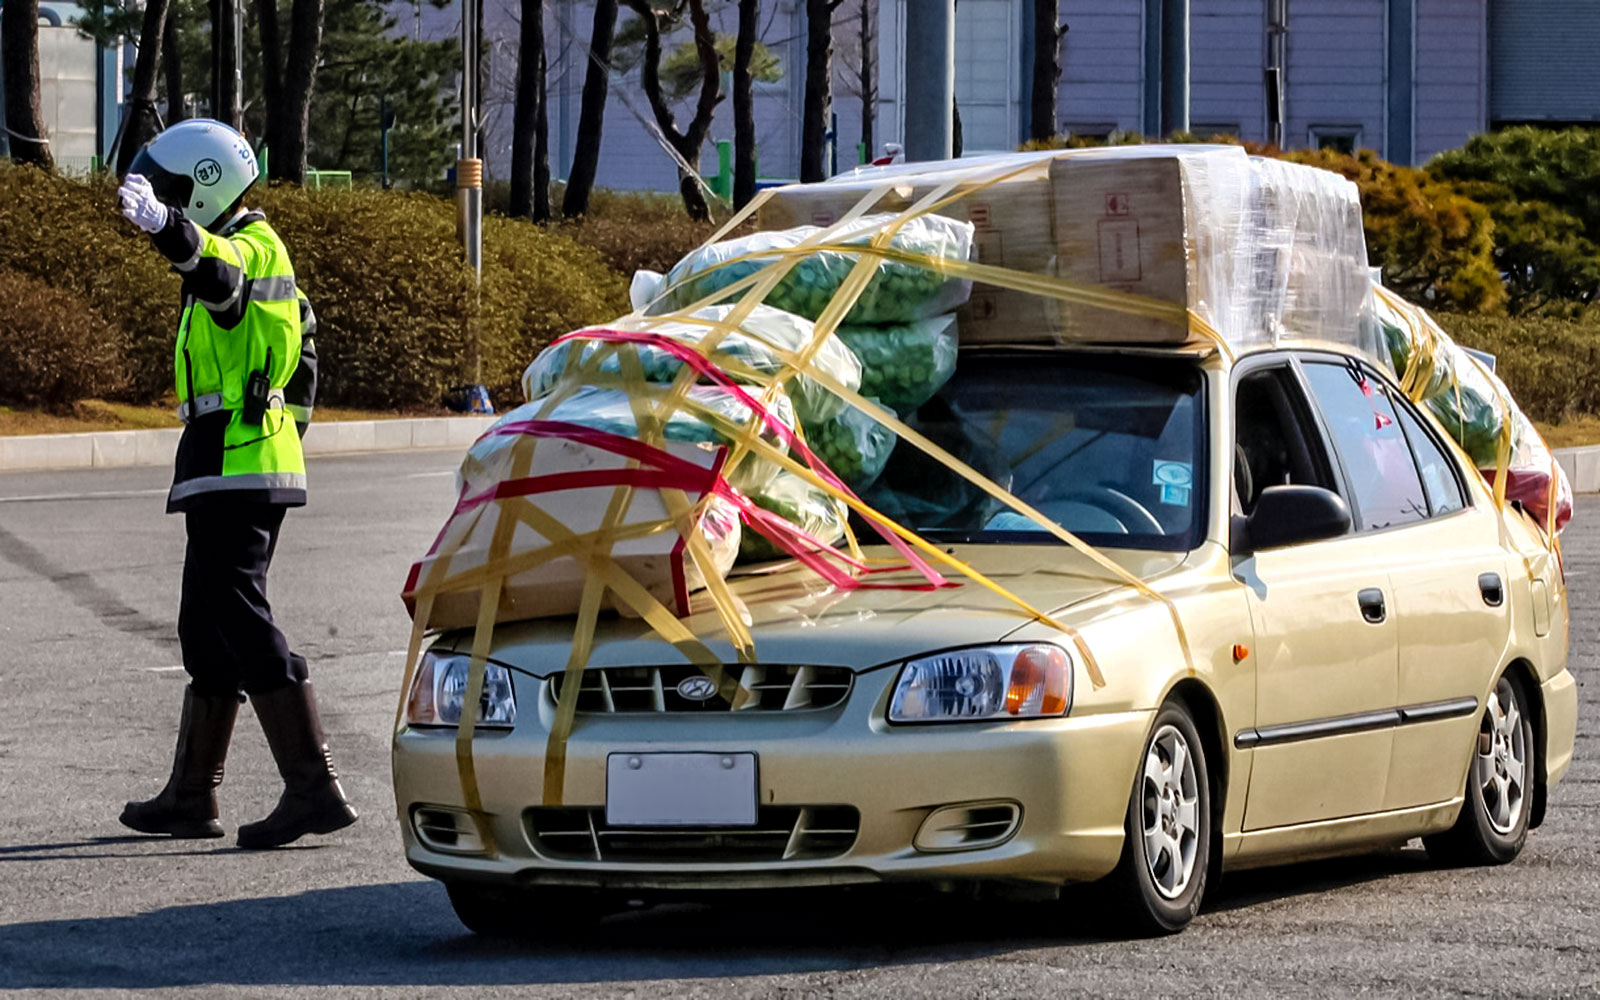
x: 557, y: 480
x: 1259, y: 249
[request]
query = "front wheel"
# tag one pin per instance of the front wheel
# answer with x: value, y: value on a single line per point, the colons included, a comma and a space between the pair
x: 1158, y: 885
x: 1493, y: 824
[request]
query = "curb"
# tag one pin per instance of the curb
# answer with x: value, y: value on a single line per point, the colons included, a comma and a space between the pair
x: 122, y: 449
x: 1582, y: 466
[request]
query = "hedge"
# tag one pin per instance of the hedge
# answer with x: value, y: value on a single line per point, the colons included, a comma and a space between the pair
x: 383, y: 271
x: 54, y: 348
x: 1550, y: 364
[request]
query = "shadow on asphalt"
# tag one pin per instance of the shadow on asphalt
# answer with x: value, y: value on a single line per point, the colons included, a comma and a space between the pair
x: 404, y: 934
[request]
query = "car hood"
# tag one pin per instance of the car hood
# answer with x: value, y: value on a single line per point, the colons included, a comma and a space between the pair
x: 795, y: 617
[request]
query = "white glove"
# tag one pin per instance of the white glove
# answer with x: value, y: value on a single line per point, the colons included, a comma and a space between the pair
x: 140, y: 205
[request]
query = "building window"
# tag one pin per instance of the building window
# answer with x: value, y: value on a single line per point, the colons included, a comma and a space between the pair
x: 1339, y: 138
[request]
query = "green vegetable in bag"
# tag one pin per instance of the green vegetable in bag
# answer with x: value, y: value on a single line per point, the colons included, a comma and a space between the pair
x: 802, y: 505
x: 754, y: 347
x: 1472, y: 416
x: 853, y: 445
x: 902, y: 366
x: 898, y: 292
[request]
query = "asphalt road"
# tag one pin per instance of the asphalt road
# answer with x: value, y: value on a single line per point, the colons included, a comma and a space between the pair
x: 89, y: 695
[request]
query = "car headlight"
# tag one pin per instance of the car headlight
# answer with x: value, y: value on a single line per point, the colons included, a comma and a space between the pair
x: 441, y: 687
x: 1014, y: 681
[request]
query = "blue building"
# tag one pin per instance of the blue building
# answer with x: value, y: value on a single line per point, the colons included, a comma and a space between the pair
x: 80, y: 90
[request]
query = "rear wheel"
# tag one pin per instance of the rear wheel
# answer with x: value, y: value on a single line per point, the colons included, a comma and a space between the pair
x: 1493, y: 824
x: 509, y: 912
x: 1161, y: 879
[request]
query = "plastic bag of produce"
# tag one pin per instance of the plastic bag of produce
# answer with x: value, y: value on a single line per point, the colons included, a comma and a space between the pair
x: 809, y: 509
x: 903, y: 365
x: 855, y: 446
x: 1529, y: 472
x: 754, y: 347
x: 611, y: 410
x: 921, y: 493
x: 898, y: 292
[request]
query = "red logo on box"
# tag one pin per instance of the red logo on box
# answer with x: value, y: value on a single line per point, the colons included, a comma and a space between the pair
x: 822, y: 217
x: 1117, y: 204
x: 978, y: 215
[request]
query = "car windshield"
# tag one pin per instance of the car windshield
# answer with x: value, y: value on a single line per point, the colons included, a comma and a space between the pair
x: 1110, y: 447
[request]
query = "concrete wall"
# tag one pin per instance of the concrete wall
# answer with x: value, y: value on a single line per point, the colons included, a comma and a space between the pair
x: 1452, y: 74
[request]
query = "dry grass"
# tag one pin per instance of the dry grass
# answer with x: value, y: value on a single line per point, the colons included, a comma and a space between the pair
x: 1572, y: 433
x: 96, y: 415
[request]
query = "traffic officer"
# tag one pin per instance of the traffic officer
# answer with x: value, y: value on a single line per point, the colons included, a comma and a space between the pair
x: 243, y: 337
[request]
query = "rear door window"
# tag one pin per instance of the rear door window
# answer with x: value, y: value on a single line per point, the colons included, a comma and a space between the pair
x: 1439, y: 479
x: 1381, y: 476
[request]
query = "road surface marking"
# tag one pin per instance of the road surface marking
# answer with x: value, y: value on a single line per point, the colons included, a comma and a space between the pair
x: 110, y: 494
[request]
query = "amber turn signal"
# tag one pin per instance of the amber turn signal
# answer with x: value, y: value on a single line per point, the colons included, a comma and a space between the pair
x: 1039, y: 682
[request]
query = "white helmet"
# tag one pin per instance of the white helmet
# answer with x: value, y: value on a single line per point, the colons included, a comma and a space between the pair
x: 201, y: 166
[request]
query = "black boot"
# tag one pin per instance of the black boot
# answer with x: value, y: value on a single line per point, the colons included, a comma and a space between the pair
x: 187, y: 807
x: 312, y: 800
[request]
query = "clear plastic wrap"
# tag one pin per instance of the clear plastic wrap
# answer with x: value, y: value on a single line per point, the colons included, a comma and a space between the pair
x: 754, y: 347
x: 898, y: 292
x: 902, y: 366
x: 852, y: 444
x: 1258, y: 249
x: 611, y: 410
x: 811, y: 510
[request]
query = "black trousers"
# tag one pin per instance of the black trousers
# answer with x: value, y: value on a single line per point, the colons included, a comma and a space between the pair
x: 230, y: 643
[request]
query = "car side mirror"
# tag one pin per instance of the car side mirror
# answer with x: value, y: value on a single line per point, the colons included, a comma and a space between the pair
x: 1291, y: 515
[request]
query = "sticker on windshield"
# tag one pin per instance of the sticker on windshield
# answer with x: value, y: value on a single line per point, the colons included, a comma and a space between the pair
x: 1175, y: 496
x: 1172, y: 474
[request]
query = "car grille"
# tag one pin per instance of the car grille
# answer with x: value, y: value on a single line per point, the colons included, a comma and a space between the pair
x: 768, y: 687
x: 781, y: 833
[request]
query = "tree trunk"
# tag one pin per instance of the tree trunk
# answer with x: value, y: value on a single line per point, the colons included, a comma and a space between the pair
x: 591, y: 117
x: 271, y: 74
x: 225, y: 99
x: 1047, y: 32
x: 688, y: 142
x: 744, y: 106
x: 529, y: 134
x: 868, y: 79
x: 172, y: 63
x: 288, y: 161
x: 139, y: 125
x: 955, y: 129
x: 819, y: 90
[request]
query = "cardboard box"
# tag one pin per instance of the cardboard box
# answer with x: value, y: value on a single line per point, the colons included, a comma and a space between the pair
x: 555, y: 588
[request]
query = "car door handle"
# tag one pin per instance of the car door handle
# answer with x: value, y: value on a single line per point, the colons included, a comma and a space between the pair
x: 1494, y: 593
x: 1372, y: 607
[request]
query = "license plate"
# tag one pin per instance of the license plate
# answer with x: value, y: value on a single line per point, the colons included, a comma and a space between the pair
x: 681, y: 789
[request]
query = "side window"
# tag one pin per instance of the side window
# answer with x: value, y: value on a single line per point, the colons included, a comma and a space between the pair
x: 1381, y: 475
x: 1439, y: 479
x: 1271, y: 446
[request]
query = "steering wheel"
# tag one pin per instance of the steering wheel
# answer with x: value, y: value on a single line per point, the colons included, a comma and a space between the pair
x: 1127, y: 511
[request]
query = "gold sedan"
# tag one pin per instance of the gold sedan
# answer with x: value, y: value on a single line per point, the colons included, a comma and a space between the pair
x: 1370, y: 652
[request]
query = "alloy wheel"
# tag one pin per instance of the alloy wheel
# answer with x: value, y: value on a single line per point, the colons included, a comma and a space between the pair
x: 1171, y: 797
x: 1500, y: 766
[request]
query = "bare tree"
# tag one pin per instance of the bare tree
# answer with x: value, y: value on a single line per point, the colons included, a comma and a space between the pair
x: 288, y: 91
x: 859, y: 56
x: 530, y: 130
x: 139, y: 125
x: 744, y: 113
x: 172, y: 63
x: 688, y: 142
x: 1047, y: 34
x: 591, y: 117
x: 818, y: 111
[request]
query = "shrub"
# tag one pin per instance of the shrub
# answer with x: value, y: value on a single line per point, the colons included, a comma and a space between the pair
x: 383, y: 270
x: 1549, y: 364
x: 1435, y: 244
x: 55, y: 348
x: 635, y: 231
x: 1543, y: 189
x: 68, y: 234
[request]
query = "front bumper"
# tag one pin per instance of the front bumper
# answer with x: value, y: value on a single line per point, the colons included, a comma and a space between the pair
x: 1070, y: 778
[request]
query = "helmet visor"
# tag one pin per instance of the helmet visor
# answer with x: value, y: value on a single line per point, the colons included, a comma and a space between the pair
x: 173, y: 189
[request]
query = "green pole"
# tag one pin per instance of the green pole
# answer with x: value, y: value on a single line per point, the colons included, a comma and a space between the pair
x: 722, y: 184
x: 861, y: 153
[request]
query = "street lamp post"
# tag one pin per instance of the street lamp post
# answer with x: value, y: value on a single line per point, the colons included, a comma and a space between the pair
x: 469, y: 195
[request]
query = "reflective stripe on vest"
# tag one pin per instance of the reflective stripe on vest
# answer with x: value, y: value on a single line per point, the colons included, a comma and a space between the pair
x: 246, y: 481
x: 212, y: 402
x: 278, y: 288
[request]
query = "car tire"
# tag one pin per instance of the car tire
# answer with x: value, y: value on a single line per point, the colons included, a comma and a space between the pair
x: 511, y: 913
x: 1169, y: 817
x: 1498, y: 803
